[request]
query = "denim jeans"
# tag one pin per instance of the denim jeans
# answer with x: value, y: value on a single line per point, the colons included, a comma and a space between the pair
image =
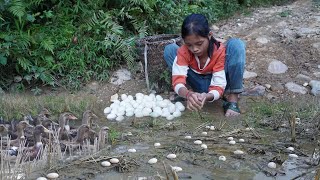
x: 234, y: 67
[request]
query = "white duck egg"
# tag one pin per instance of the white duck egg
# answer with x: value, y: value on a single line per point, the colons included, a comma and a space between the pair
x: 107, y: 110
x: 146, y: 111
x: 293, y: 155
x: 148, y: 104
x: 114, y: 111
x: 153, y: 161
x: 241, y: 140
x: 135, y: 105
x: 139, y: 95
x: 105, y: 163
x: 157, y: 144
x: 230, y: 138
x: 238, y: 152
x: 171, y: 156
x: 114, y: 160
x: 152, y: 96
x: 172, y: 108
x: 290, y: 148
x: 222, y: 158
x: 165, y: 114
x: 162, y: 104
x: 111, y: 116
x: 129, y: 113
x: 124, y: 97
x: 138, y: 114
x: 130, y: 97
x: 197, y: 142
x: 159, y: 98
x: 187, y: 137
x: 113, y: 105
x: 212, y: 128
x: 41, y: 178
x: 176, y: 168
x: 204, y: 146
x: 181, y: 108
x: 232, y: 142
x: 154, y: 114
x: 129, y: 109
x: 177, y: 113
x: 116, y: 101
x: 120, y: 118
x: 52, y: 175
x: 170, y: 117
x: 204, y: 133
x: 121, y: 113
x: 123, y: 103
x: 272, y: 165
x: 132, y: 150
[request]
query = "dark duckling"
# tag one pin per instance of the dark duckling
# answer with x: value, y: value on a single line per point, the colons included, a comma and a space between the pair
x: 88, y: 117
x: 64, y: 126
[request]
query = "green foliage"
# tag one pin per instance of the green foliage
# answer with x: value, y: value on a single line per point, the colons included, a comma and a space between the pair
x: 72, y: 42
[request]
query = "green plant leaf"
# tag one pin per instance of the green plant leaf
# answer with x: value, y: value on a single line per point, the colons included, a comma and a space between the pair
x: 3, y: 59
x: 30, y: 18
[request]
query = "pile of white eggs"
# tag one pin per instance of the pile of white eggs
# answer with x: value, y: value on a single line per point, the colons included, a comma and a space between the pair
x: 141, y: 106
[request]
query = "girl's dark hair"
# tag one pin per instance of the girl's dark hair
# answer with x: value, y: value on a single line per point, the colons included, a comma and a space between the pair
x: 197, y: 24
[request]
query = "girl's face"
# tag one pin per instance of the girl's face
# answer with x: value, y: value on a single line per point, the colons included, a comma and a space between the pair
x: 198, y: 45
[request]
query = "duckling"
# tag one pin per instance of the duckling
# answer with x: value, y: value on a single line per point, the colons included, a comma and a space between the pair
x: 88, y: 117
x: 3, y: 130
x: 103, y: 136
x: 34, y: 151
x: 20, y: 134
x: 64, y: 127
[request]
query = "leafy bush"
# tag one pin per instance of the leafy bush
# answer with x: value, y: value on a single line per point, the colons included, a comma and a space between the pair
x: 68, y: 43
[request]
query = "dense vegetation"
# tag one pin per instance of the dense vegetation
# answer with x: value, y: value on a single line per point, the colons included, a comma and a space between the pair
x: 67, y: 43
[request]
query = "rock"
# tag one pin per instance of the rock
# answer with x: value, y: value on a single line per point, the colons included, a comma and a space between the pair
x: 215, y: 28
x: 288, y: 33
x: 256, y: 91
x: 291, y: 86
x: 306, y: 31
x: 247, y: 74
x: 262, y: 40
x: 317, y: 74
x: 271, y: 97
x: 120, y: 76
x: 278, y: 87
x: 268, y: 86
x: 316, y: 45
x: 277, y: 67
x: 315, y: 85
x: 303, y: 77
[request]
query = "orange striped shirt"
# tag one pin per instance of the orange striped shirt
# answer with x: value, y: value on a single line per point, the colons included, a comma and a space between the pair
x: 185, y: 59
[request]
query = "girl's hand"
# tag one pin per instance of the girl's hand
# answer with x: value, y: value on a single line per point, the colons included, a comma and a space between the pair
x: 195, y: 101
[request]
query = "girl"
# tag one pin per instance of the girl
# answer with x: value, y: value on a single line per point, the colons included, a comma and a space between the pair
x: 210, y: 68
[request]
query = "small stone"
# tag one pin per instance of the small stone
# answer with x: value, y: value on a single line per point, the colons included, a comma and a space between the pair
x: 290, y: 148
x: 241, y: 140
x: 105, y: 163
x: 248, y: 75
x: 153, y: 161
x: 268, y: 86
x: 293, y: 155
x: 198, y: 142
x: 132, y: 150
x: 291, y: 86
x: 238, y: 152
x: 262, y: 40
x: 272, y: 165
x: 277, y: 67
x: 278, y: 87
x: 303, y: 77
x: 52, y: 175
x: 114, y: 160
x: 171, y: 156
x: 41, y: 178
x: 230, y: 138
x: 176, y: 168
x: 315, y: 85
x: 204, y: 146
x: 222, y: 158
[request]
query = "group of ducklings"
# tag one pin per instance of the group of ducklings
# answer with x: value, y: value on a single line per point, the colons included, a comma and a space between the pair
x: 30, y: 135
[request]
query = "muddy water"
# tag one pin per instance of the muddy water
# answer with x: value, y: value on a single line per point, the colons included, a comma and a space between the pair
x: 197, y: 163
